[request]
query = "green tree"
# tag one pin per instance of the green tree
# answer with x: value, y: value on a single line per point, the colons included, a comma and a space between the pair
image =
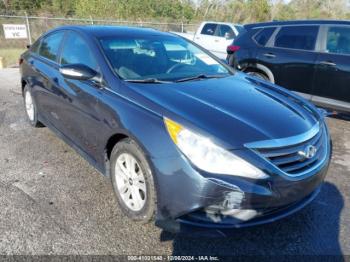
x: 61, y: 7
x: 26, y: 5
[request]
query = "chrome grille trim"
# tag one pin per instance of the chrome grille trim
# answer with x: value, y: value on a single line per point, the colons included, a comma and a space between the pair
x: 286, y: 157
x: 288, y: 141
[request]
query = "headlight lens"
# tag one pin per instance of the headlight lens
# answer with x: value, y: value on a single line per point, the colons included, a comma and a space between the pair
x: 207, y: 156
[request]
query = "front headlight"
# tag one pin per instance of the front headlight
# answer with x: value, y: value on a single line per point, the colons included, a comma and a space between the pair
x: 207, y: 156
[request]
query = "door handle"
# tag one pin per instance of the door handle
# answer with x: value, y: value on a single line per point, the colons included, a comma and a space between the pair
x: 216, y: 40
x: 328, y: 63
x: 270, y: 55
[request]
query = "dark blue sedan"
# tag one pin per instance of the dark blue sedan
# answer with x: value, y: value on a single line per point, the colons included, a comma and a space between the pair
x: 186, y: 140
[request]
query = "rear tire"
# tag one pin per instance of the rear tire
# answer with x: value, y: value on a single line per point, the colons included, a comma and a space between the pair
x: 30, y: 108
x: 133, y: 181
x: 257, y: 74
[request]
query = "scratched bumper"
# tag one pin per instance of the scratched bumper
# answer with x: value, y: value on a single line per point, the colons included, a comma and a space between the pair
x: 187, y: 196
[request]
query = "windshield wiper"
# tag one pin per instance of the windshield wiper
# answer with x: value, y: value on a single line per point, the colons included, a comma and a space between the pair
x: 147, y: 80
x: 201, y: 76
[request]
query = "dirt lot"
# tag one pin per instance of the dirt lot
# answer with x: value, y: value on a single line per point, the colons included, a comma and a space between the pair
x: 53, y: 202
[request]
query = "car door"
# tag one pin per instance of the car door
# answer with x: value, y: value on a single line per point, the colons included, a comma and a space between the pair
x: 46, y: 69
x: 77, y: 104
x: 331, y: 87
x: 206, y: 36
x: 290, y: 55
x: 223, y: 37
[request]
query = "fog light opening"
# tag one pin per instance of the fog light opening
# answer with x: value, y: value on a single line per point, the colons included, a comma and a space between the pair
x: 230, y: 207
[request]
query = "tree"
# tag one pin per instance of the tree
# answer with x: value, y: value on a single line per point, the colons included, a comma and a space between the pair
x: 62, y: 7
x: 259, y: 10
x: 26, y: 5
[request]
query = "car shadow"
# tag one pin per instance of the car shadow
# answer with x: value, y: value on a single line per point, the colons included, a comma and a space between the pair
x: 312, y: 231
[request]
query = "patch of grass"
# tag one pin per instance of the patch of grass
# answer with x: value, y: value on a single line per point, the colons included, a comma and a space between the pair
x: 10, y: 56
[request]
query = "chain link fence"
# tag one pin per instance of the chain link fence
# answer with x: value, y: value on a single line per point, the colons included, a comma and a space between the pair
x: 10, y: 49
x: 37, y: 25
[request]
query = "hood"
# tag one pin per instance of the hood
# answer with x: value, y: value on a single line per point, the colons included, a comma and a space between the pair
x: 232, y: 111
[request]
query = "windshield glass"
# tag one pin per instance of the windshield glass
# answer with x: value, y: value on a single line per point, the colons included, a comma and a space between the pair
x: 159, y: 58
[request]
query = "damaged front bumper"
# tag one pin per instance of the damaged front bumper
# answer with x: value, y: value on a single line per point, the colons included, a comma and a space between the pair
x: 188, y: 197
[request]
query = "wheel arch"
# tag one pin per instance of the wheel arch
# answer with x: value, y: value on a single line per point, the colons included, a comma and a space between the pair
x: 23, y: 85
x: 261, y: 68
x: 115, y: 139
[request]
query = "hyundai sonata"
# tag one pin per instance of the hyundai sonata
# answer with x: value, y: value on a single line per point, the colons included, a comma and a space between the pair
x: 184, y: 138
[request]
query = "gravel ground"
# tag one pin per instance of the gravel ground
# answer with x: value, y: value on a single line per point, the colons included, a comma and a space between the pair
x: 53, y: 202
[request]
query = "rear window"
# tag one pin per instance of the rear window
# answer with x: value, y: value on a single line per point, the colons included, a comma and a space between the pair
x: 264, y: 35
x: 297, y: 37
x: 209, y: 29
x: 338, y: 40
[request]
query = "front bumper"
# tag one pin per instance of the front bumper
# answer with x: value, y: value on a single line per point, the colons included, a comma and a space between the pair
x: 186, y: 195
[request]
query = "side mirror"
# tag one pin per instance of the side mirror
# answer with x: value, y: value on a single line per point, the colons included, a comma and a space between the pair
x: 77, y: 72
x: 227, y: 35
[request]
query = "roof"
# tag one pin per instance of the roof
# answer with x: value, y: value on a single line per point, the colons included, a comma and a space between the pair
x: 296, y: 22
x: 108, y: 30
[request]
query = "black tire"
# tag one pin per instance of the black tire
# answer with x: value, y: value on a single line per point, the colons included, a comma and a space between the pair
x: 147, y: 212
x: 258, y: 75
x: 34, y: 121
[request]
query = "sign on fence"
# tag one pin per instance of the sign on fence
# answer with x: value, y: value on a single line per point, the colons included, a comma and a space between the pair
x: 15, y: 31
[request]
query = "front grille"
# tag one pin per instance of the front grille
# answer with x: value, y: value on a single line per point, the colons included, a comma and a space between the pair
x: 290, y: 159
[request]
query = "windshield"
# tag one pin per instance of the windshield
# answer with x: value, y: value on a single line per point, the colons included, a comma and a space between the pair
x: 160, y: 58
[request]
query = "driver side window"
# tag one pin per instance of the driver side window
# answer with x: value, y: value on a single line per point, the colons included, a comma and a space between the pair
x: 76, y: 51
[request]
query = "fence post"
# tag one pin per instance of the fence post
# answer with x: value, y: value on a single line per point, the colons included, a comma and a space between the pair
x: 28, y: 28
x: 2, y: 62
x: 182, y: 26
x: 92, y: 21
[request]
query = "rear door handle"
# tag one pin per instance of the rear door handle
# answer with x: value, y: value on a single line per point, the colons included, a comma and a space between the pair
x: 270, y: 55
x: 328, y: 63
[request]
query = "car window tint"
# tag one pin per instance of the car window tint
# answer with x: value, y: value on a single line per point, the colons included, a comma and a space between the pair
x: 209, y: 29
x: 264, y: 35
x: 76, y: 51
x: 225, y: 29
x: 338, y: 40
x: 297, y: 37
x: 50, y: 45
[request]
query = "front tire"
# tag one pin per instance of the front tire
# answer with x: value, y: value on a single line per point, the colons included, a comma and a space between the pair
x: 133, y: 181
x: 30, y: 108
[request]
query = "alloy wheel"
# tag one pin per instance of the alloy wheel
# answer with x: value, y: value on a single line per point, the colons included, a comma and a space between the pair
x: 131, y: 184
x: 29, y: 105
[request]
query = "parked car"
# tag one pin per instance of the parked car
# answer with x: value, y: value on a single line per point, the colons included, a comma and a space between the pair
x: 214, y: 36
x: 173, y: 126
x: 310, y: 58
